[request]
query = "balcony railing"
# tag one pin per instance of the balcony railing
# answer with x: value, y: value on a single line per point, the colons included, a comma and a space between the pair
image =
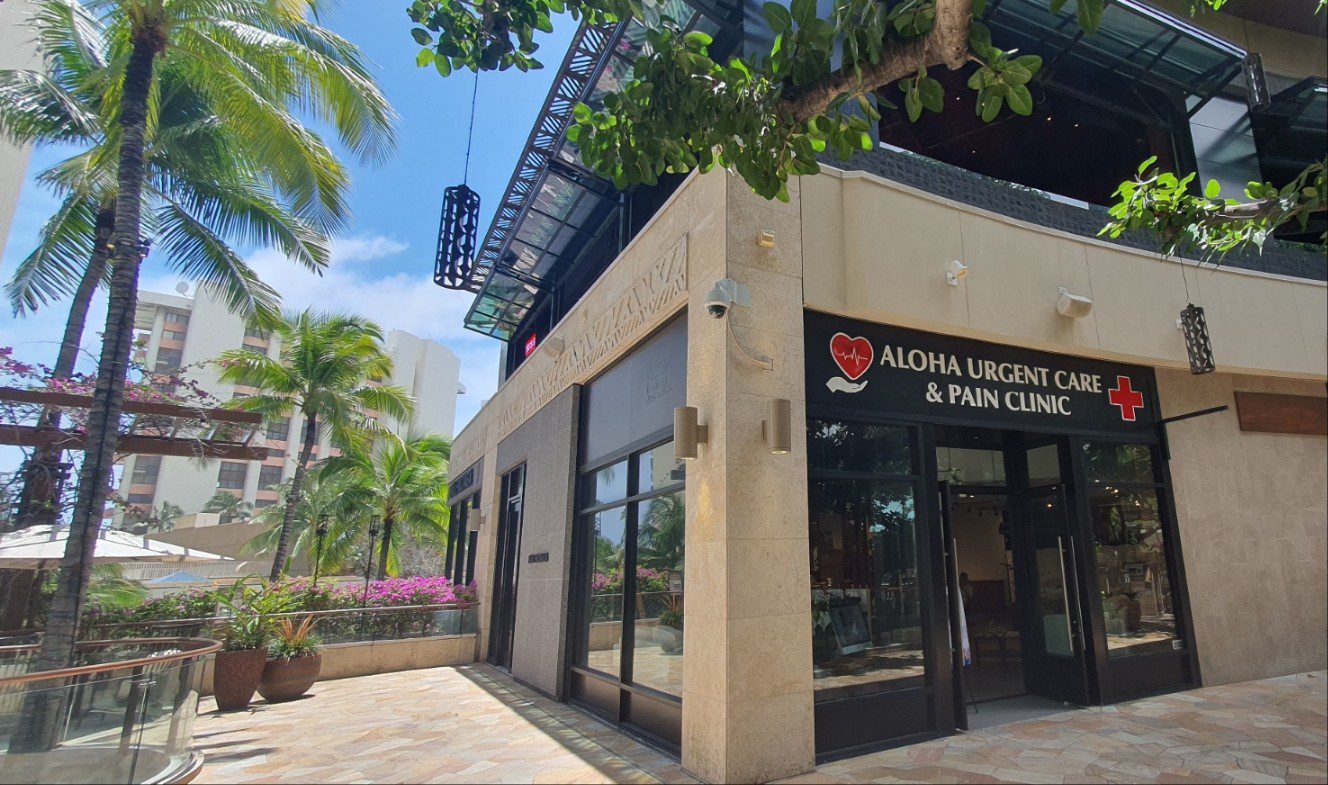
x: 126, y: 715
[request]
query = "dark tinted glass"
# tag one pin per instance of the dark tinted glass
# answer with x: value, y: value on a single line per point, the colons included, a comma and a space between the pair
x: 866, y: 601
x: 658, y: 468
x: 1106, y: 463
x: 834, y: 445
x: 603, y: 642
x: 1132, y: 573
x: 607, y: 485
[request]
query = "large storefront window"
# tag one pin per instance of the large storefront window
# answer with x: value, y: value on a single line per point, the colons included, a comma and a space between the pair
x: 867, y: 627
x: 1131, y: 549
x: 634, y: 591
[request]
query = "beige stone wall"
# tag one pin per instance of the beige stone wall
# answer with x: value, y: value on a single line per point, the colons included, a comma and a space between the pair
x: 747, y: 694
x: 1253, y: 515
x: 344, y: 660
x: 896, y: 243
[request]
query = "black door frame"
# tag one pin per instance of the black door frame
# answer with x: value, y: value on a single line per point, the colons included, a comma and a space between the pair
x: 1107, y: 682
x: 507, y: 567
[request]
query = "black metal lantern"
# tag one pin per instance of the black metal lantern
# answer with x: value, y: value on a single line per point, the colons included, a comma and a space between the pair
x: 1197, y: 345
x: 456, y: 237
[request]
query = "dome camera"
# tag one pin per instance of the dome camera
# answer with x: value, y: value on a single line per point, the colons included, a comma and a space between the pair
x: 725, y: 294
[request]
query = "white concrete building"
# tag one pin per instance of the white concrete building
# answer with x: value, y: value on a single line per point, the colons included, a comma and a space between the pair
x: 176, y: 330
x: 17, y: 50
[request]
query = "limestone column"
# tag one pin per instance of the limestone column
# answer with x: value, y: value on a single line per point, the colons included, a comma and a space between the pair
x: 747, y: 694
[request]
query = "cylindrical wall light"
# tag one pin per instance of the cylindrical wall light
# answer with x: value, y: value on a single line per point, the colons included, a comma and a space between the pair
x: 777, y: 427
x: 475, y: 520
x: 687, y: 433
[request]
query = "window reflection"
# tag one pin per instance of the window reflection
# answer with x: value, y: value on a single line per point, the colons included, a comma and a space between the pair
x: 858, y: 447
x: 657, y: 644
x: 866, y: 608
x: 603, y: 642
x: 1132, y: 571
x: 607, y: 485
x: 1106, y: 463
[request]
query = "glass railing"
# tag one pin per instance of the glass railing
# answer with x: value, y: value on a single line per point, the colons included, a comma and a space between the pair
x: 125, y: 714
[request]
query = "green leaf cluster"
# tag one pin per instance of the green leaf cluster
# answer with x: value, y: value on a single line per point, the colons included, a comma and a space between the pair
x: 1205, y: 223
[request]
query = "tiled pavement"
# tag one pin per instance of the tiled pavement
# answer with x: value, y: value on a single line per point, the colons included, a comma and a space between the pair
x: 471, y: 724
x: 1260, y: 731
x: 464, y: 724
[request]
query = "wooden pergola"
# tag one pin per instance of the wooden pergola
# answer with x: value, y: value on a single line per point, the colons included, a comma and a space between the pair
x: 156, y: 428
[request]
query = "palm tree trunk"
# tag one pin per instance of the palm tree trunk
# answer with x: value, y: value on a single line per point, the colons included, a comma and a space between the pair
x: 41, y: 710
x: 293, y: 498
x: 39, y: 501
x: 382, y: 548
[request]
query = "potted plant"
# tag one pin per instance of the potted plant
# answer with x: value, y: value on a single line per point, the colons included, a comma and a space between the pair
x: 293, y: 661
x: 239, y: 665
x: 669, y: 630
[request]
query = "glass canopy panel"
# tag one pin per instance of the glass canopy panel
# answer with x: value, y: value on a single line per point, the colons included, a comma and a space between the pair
x: 1132, y: 43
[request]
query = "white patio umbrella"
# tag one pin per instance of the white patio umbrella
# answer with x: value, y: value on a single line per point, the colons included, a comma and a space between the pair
x: 42, y: 547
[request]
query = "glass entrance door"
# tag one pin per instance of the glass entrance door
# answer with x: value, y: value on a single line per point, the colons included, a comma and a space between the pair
x: 1053, y: 637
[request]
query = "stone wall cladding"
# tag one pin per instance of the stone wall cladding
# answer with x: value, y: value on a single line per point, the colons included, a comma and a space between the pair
x: 1029, y: 204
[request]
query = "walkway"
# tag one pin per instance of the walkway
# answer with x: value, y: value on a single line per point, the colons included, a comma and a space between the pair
x: 464, y: 724
x: 471, y: 724
x: 1258, y: 731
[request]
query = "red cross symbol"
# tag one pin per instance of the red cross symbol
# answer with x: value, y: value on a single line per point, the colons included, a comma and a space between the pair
x: 1126, y: 397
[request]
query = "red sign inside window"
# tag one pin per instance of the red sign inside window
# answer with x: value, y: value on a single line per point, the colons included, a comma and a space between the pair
x: 531, y: 342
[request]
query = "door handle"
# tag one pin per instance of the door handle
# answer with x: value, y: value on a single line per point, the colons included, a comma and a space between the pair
x: 1065, y: 594
x: 1078, y: 600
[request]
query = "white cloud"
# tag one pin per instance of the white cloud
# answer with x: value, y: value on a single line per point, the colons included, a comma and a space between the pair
x: 348, y: 250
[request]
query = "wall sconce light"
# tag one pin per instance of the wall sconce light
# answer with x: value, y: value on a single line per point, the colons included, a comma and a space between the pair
x: 1197, y: 345
x: 1073, y: 305
x: 958, y: 271
x: 777, y: 428
x: 555, y: 346
x: 475, y: 521
x: 766, y: 239
x: 687, y: 433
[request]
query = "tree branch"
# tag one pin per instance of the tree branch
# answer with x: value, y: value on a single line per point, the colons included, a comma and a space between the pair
x: 946, y: 44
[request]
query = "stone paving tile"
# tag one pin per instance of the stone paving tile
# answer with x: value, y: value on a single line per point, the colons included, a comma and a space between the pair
x: 441, y: 725
x: 473, y: 724
x: 1274, y: 730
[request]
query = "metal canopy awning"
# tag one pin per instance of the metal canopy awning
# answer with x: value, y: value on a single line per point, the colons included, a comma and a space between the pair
x: 1135, y: 45
x: 554, y: 205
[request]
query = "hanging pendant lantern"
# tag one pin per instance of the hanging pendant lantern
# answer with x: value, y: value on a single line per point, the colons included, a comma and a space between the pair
x: 456, y: 237
x: 1197, y: 345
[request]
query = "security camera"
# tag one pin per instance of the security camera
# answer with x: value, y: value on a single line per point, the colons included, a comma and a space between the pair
x: 1075, y: 306
x: 725, y: 294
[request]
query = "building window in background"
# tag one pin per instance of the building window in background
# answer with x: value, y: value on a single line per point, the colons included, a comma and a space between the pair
x: 232, y: 475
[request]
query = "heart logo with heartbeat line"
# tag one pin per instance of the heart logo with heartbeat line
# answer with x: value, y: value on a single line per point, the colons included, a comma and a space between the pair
x: 853, y: 355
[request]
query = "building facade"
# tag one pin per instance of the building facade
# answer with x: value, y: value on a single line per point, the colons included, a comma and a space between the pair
x: 951, y: 450
x: 177, y: 331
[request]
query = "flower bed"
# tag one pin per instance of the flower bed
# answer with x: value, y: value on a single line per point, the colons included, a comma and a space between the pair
x: 192, y: 607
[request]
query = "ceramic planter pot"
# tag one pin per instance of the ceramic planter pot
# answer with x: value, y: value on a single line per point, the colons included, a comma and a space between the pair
x: 235, y: 676
x: 285, y: 680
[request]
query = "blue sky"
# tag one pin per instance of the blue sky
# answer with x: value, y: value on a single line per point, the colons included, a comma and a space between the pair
x: 382, y: 266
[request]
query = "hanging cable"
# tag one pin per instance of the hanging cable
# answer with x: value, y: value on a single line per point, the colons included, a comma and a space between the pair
x: 470, y: 133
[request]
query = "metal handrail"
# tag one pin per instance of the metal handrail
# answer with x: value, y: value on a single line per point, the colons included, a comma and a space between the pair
x: 193, y: 648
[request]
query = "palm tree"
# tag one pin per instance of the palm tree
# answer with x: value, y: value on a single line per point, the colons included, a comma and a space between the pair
x: 255, y: 61
x: 323, y: 501
x: 403, y: 484
x: 329, y: 372
x: 203, y: 187
x: 229, y: 506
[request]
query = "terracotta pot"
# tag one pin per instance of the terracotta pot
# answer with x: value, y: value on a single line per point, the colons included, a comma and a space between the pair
x: 235, y: 677
x: 286, y: 680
